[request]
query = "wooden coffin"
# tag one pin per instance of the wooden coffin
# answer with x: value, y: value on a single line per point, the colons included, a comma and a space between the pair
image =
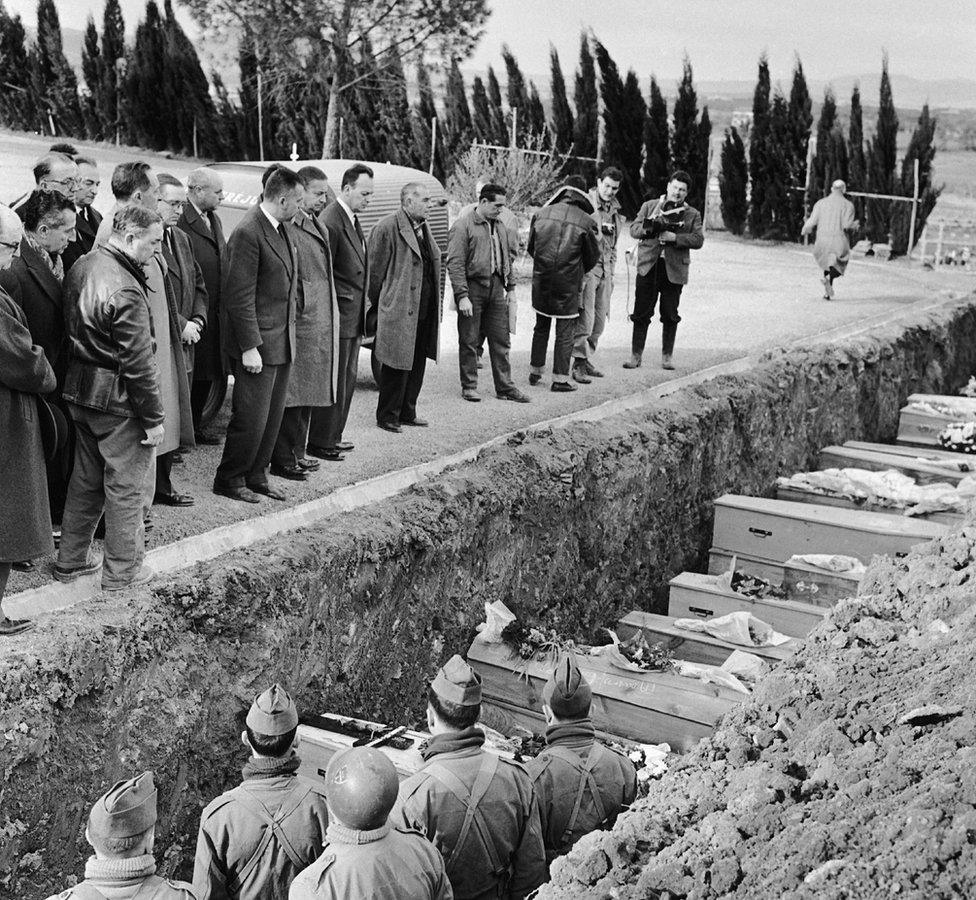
x: 965, y: 461
x: 777, y: 529
x: 797, y: 495
x: 818, y: 587
x: 696, y: 596
x: 694, y: 646
x: 719, y: 561
x: 880, y: 461
x: 647, y: 707
x: 923, y: 428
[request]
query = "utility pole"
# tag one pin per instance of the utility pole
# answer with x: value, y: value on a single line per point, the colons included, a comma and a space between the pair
x: 257, y: 56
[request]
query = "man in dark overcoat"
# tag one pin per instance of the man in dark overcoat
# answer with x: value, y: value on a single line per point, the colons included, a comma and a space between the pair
x: 199, y: 219
x: 405, y: 297
x: 25, y: 521
x: 89, y: 218
x: 312, y: 383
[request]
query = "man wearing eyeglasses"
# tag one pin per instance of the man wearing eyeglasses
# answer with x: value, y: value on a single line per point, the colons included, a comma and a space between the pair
x: 89, y: 219
x: 54, y: 172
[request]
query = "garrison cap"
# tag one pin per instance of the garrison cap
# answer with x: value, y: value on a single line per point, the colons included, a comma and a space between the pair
x: 272, y: 713
x: 566, y: 692
x: 127, y: 810
x: 456, y: 682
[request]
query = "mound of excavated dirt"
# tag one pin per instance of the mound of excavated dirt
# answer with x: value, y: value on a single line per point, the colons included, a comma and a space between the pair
x: 851, y: 772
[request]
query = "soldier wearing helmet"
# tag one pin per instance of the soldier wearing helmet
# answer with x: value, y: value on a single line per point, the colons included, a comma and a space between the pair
x: 256, y: 838
x: 581, y: 785
x: 122, y: 830
x: 365, y: 858
x: 479, y: 810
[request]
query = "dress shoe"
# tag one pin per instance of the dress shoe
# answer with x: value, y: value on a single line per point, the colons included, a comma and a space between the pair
x: 591, y: 370
x: 390, y: 426
x: 327, y: 453
x: 23, y: 565
x: 292, y: 473
x: 534, y: 378
x: 634, y: 362
x: 666, y: 361
x: 173, y: 499
x: 415, y: 423
x: 309, y: 465
x: 268, y: 491
x: 206, y: 439
x: 10, y: 627
x: 579, y: 375
x: 345, y: 446
x: 516, y: 396
x: 244, y: 494
x: 471, y: 395
x: 66, y: 575
x: 563, y: 387
x: 143, y: 576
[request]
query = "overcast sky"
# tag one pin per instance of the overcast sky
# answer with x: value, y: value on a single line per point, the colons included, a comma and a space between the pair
x: 927, y: 39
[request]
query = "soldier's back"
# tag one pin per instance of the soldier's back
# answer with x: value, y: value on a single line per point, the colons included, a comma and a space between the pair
x: 153, y: 887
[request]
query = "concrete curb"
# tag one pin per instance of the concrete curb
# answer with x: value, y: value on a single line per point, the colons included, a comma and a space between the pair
x: 207, y: 546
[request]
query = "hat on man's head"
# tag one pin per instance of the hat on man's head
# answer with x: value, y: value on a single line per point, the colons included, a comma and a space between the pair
x: 567, y: 692
x: 127, y: 810
x: 272, y: 713
x: 456, y: 682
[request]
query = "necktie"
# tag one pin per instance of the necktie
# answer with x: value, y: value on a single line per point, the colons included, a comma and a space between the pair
x: 169, y: 242
x: 207, y: 225
x: 359, y: 230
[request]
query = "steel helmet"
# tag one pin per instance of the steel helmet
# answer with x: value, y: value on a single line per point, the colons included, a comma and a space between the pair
x: 361, y: 786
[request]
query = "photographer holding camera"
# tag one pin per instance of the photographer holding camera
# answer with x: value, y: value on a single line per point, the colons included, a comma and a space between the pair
x: 666, y: 230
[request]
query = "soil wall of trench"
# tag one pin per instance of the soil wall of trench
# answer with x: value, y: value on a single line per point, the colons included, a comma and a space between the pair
x: 577, y: 525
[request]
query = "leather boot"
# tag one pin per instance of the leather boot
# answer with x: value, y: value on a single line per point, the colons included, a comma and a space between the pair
x: 634, y: 362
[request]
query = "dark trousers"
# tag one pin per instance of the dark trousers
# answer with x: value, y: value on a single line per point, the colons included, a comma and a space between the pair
x: 400, y: 388
x: 199, y: 391
x: 292, y: 435
x: 164, y: 466
x: 328, y: 422
x: 562, y: 353
x: 488, y: 321
x: 112, y: 469
x: 59, y: 468
x: 256, y: 410
x: 648, y: 288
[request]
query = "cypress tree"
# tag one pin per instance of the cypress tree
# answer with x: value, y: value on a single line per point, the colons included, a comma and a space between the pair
x: 855, y: 144
x: 187, y: 88
x: 758, y: 144
x: 17, y: 103
x: 562, y: 115
x: 819, y: 185
x: 536, y: 125
x: 395, y: 115
x: 91, y: 71
x: 835, y: 159
x: 113, y: 50
x: 776, y: 212
x: 481, y: 112
x: 882, y: 160
x: 920, y: 147
x: 146, y: 114
x: 656, y: 143
x: 60, y: 81
x: 586, y: 100
x: 701, y: 173
x: 801, y: 120
x: 733, y: 182
x: 426, y: 112
x: 687, y: 147
x: 457, y: 116
x: 499, y: 132
x: 518, y: 95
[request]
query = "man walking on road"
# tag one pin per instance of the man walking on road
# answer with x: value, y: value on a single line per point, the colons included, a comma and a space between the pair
x: 666, y: 230
x: 480, y: 265
x: 564, y: 246
x: 598, y: 283
x: 259, y: 295
x: 350, y: 269
x: 112, y: 388
x: 833, y: 217
x: 405, y: 299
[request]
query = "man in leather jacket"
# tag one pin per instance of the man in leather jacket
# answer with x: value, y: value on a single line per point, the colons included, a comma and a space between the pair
x: 112, y: 390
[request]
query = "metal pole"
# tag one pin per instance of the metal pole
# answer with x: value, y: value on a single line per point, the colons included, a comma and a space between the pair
x: 196, y: 151
x: 433, y: 144
x: 708, y: 187
x: 811, y: 151
x: 923, y: 241
x: 514, y: 126
x: 911, y: 225
x: 938, y: 244
x: 260, y: 110
x: 342, y: 123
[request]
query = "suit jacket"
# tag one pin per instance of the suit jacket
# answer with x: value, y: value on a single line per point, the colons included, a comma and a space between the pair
x: 350, y: 270
x: 185, y: 288
x: 259, y: 290
x: 677, y: 258
x: 85, y: 237
x: 396, y: 275
x: 37, y: 292
x: 210, y: 251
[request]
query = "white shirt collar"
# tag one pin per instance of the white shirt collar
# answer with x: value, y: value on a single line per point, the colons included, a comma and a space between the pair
x: 201, y: 214
x: 274, y: 222
x: 345, y: 207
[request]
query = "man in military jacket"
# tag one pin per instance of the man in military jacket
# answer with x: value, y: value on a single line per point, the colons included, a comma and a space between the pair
x: 122, y: 830
x: 581, y: 784
x: 496, y: 851
x: 256, y: 838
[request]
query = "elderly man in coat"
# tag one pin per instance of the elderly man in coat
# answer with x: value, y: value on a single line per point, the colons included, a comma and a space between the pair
x: 833, y: 217
x: 404, y: 293
x: 314, y: 373
x: 25, y: 521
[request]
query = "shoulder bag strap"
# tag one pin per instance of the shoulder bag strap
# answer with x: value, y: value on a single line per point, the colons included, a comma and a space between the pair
x: 586, y: 779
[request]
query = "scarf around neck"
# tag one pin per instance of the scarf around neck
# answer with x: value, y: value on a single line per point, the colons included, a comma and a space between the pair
x: 448, y: 743
x: 571, y: 732
x: 54, y: 263
x: 271, y: 767
x: 120, y: 869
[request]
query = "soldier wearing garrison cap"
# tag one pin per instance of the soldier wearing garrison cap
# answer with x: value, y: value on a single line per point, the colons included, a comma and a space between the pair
x: 122, y: 830
x: 256, y: 838
x: 581, y: 784
x: 479, y: 810
x: 365, y: 856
